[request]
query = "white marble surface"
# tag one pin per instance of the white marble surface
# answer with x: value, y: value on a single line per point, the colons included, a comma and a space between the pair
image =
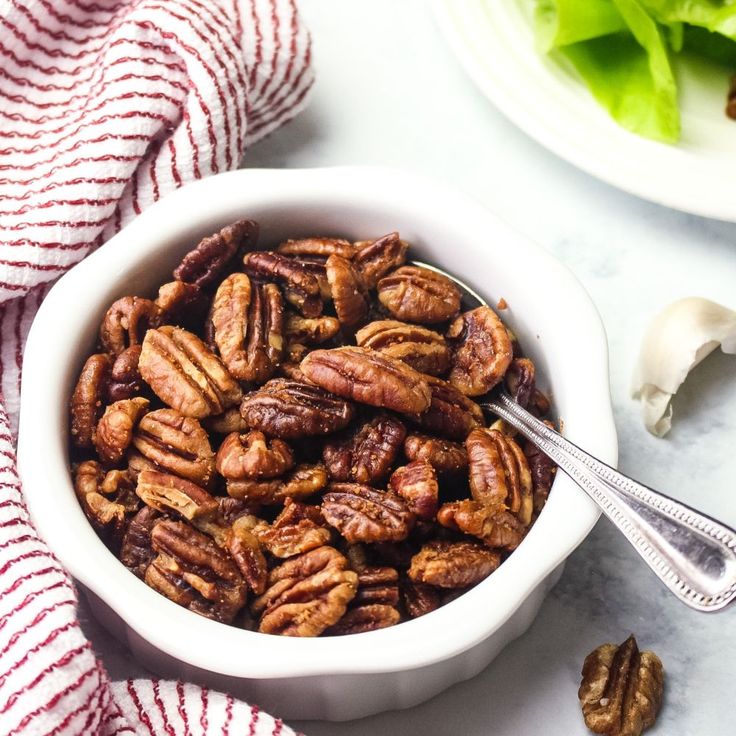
x: 389, y: 92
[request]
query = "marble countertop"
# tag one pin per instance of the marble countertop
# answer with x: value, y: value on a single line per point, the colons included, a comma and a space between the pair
x: 390, y: 92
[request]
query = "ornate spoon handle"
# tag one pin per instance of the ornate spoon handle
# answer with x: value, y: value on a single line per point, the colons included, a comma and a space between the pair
x: 692, y: 554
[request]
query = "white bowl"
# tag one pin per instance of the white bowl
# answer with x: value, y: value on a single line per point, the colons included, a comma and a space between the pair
x: 341, y: 677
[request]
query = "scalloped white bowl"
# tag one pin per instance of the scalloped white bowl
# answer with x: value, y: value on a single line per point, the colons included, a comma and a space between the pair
x: 341, y: 677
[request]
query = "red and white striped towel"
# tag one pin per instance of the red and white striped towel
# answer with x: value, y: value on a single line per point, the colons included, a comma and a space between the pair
x: 105, y: 106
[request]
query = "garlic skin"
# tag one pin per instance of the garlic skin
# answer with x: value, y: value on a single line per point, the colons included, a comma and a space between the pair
x: 678, y: 338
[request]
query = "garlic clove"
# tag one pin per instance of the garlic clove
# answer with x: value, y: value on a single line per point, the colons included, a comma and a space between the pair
x: 678, y: 338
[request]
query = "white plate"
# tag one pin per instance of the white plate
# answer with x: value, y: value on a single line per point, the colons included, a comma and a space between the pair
x: 542, y: 95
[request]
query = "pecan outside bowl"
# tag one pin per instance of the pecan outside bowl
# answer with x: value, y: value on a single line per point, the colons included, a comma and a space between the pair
x: 336, y: 678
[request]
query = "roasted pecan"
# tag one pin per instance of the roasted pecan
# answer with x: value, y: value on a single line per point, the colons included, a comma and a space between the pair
x: 231, y: 420
x: 377, y: 585
x: 194, y: 572
x: 114, y: 431
x: 306, y: 594
x: 367, y: 455
x: 453, y: 564
x: 300, y: 286
x: 291, y: 409
x: 364, y: 514
x: 499, y: 472
x: 368, y: 377
x: 126, y: 321
x: 86, y: 402
x: 312, y: 331
x: 136, y: 552
x: 519, y: 380
x: 248, y: 327
x: 376, y: 258
x: 347, y: 291
x: 369, y: 617
x: 295, y: 511
x: 252, y: 456
x: 317, y: 247
x: 287, y: 540
x: 621, y: 690
x: 305, y: 480
x: 450, y: 413
x: 209, y: 259
x: 125, y: 380
x: 543, y: 472
x: 422, y: 349
x: 176, y: 444
x: 170, y: 493
x: 490, y: 522
x: 443, y: 455
x: 417, y: 484
x: 418, y: 598
x: 483, y: 352
x: 417, y: 294
x: 245, y: 548
x: 107, y: 515
x: 184, y: 374
x: 180, y: 304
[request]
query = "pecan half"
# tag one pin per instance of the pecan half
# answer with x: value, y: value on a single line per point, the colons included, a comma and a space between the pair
x: 424, y: 350
x: 253, y: 456
x: 543, y: 472
x: 287, y: 540
x: 165, y: 492
x: 126, y: 321
x: 125, y: 380
x: 370, y: 617
x: 86, y: 401
x: 194, y: 572
x: 295, y: 511
x: 450, y: 413
x: 136, y: 552
x: 304, y: 481
x: 417, y: 484
x: 347, y: 291
x: 377, y: 585
x: 184, y: 374
x: 291, y: 409
x: 369, y: 378
x: 114, y: 431
x: 376, y: 258
x: 301, y: 287
x: 245, y: 548
x: 483, y: 352
x: 248, y: 327
x: 490, y: 522
x: 621, y: 690
x: 317, y: 247
x: 107, y: 515
x: 364, y: 514
x: 499, y: 472
x: 180, y: 304
x: 418, y: 598
x: 367, y: 455
x: 203, y: 264
x: 519, y: 380
x: 443, y: 455
x: 306, y: 594
x: 417, y: 294
x: 453, y: 564
x: 310, y: 331
x: 176, y: 444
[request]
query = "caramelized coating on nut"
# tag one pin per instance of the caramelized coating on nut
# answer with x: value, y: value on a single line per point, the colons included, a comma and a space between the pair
x: 376, y: 258
x: 490, y: 522
x: 453, y: 564
x: 347, y: 291
x: 416, y: 294
x: 126, y: 322
x: 86, y: 402
x: 450, y: 414
x: 304, y: 481
x: 443, y: 455
x: 310, y: 331
x: 179, y: 303
x: 317, y: 247
x: 252, y: 455
x: 170, y: 493
x: 417, y: 484
x: 519, y: 381
x: 114, y: 431
x: 125, y: 380
x: 136, y: 552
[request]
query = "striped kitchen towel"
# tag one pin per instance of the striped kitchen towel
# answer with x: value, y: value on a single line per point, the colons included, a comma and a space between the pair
x: 105, y: 106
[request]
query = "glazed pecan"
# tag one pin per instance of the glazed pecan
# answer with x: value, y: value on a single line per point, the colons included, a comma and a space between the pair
x: 125, y: 380
x: 310, y: 331
x: 245, y: 548
x: 126, y: 321
x: 499, y: 472
x: 136, y: 552
x: 295, y: 511
x: 519, y: 380
x: 231, y: 420
x: 418, y: 598
x: 368, y: 377
x: 347, y: 291
x: 364, y: 514
x: 210, y: 258
x: 253, y: 456
x: 291, y: 409
x: 317, y: 247
x: 490, y: 522
x: 376, y: 258
x: 543, y: 471
x: 369, y: 617
x: 86, y: 401
x: 422, y: 349
x: 194, y: 572
x: 306, y: 594
x: 170, y: 493
x: 453, y: 564
x: 301, y: 287
x: 114, y: 431
x: 184, y: 374
x: 287, y: 540
x: 450, y: 414
x: 443, y: 455
x: 305, y: 480
x: 377, y: 585
x: 248, y: 327
x: 368, y: 454
x: 176, y: 444
x: 417, y: 294
x: 621, y: 690
x: 483, y: 352
x: 180, y: 304
x: 417, y: 484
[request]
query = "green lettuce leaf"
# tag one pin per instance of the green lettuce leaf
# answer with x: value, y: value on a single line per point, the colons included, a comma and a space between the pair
x: 563, y: 22
x: 714, y: 15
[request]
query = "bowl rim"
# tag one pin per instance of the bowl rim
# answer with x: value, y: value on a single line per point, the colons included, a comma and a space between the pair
x: 226, y: 650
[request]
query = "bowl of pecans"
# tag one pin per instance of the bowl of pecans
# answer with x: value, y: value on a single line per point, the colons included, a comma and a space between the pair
x: 265, y: 459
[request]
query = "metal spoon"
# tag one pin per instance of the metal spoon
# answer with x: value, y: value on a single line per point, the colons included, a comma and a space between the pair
x: 693, y: 554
